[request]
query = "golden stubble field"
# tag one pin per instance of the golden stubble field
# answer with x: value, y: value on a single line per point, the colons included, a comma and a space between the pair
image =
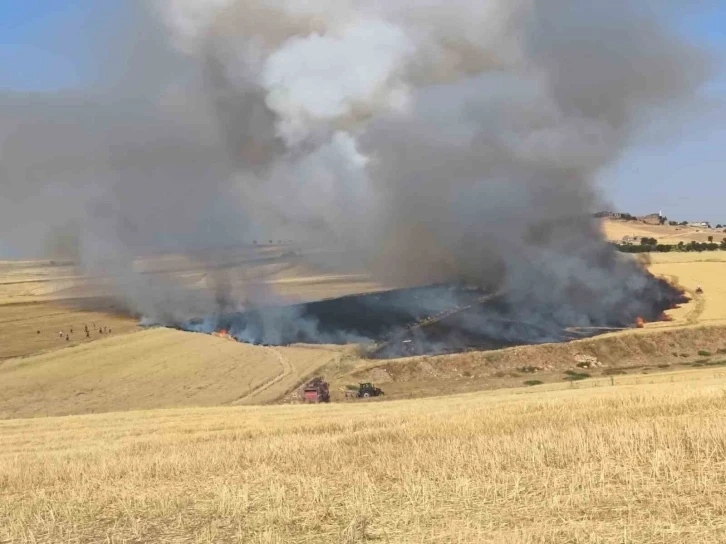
x: 665, y: 234
x: 155, y: 368
x: 692, y: 270
x: 629, y: 462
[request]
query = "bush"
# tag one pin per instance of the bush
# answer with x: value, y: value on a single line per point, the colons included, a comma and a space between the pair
x: 533, y: 382
x: 613, y: 372
x: 529, y: 369
x: 664, y: 366
x: 704, y: 353
x: 721, y: 351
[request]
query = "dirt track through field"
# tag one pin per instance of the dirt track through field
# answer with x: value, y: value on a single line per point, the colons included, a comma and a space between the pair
x: 286, y: 370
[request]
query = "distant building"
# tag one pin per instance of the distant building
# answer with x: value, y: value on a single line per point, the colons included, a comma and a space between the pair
x: 609, y: 215
x: 700, y: 224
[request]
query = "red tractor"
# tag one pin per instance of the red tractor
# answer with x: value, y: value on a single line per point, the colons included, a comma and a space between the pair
x: 316, y: 390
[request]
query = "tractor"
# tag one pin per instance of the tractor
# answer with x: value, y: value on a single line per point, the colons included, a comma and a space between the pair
x: 366, y: 390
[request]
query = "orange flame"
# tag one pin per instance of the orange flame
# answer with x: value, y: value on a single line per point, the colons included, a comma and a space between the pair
x: 223, y: 333
x: 639, y: 322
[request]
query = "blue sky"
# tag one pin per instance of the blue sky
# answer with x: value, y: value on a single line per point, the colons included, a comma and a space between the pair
x: 684, y: 174
x: 45, y: 45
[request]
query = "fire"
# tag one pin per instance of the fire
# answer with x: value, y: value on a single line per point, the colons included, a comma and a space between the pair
x: 223, y: 333
x: 639, y: 322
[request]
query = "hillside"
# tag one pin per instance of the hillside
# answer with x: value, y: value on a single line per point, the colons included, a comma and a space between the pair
x: 157, y: 368
x: 592, y: 463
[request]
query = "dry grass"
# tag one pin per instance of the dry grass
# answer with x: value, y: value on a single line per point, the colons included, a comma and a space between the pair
x: 157, y: 368
x: 691, y: 272
x: 268, y: 268
x: 613, y: 464
x: 20, y: 323
x: 665, y: 234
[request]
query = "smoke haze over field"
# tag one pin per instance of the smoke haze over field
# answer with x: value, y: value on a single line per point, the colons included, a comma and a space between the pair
x: 435, y: 141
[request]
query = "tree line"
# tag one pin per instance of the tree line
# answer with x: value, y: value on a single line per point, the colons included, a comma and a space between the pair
x: 651, y: 245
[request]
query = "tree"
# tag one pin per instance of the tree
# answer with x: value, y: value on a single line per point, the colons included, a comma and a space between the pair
x: 710, y: 239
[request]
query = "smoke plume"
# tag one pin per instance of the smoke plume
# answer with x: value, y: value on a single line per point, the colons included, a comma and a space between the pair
x: 432, y: 141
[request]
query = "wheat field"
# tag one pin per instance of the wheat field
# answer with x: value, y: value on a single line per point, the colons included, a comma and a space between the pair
x: 665, y: 234
x: 155, y: 368
x: 607, y: 463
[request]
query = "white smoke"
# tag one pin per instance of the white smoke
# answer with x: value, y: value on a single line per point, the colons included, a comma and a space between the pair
x: 327, y: 77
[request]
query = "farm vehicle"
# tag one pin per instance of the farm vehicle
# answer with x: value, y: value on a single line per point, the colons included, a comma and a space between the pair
x: 364, y: 391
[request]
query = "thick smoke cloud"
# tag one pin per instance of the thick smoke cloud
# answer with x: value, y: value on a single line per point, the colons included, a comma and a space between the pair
x: 434, y: 141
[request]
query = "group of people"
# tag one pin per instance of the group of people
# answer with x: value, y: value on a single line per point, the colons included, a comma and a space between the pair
x: 101, y: 330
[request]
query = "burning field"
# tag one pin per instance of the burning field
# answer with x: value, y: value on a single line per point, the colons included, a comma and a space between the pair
x: 435, y: 319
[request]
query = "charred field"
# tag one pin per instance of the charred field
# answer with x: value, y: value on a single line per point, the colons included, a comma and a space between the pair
x: 429, y: 320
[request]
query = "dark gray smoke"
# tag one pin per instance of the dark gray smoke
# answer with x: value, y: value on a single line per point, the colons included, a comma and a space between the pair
x: 431, y: 141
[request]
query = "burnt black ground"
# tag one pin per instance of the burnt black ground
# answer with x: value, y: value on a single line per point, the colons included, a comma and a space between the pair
x: 435, y: 319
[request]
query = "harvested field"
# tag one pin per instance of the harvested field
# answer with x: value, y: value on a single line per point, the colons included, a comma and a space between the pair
x: 33, y: 327
x: 707, y: 270
x: 665, y: 234
x: 157, y: 368
x: 609, y: 464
